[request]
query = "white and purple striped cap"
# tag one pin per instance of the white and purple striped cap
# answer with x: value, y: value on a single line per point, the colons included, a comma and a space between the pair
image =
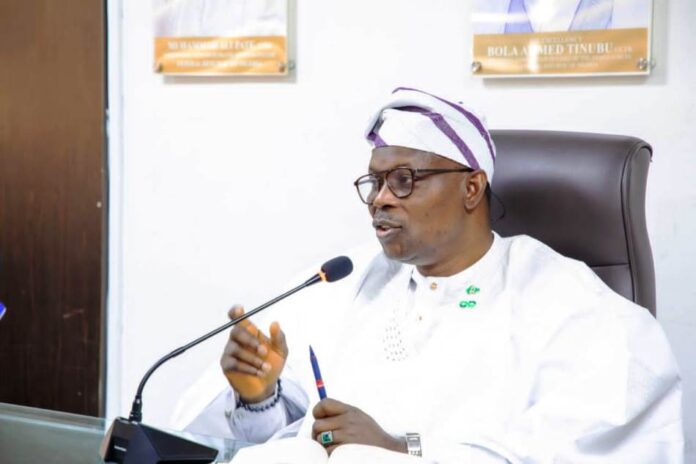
x: 415, y: 119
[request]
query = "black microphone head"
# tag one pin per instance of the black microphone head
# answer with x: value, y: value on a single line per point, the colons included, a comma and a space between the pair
x: 336, y: 269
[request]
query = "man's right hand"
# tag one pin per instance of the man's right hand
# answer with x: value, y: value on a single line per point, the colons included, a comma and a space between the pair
x: 251, y: 361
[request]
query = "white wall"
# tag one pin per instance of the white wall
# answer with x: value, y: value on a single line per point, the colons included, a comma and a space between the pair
x: 223, y: 188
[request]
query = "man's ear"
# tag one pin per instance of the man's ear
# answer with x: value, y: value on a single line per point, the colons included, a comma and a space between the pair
x: 475, y: 187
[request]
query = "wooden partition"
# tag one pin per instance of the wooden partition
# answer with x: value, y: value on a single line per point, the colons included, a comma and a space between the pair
x: 52, y: 203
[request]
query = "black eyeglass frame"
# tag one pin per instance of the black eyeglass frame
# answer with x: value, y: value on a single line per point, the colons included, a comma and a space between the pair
x: 416, y: 175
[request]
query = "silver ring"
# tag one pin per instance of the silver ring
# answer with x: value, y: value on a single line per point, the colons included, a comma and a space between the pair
x: 326, y: 438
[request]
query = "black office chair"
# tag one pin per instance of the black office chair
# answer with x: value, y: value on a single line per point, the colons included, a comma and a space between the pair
x: 584, y: 196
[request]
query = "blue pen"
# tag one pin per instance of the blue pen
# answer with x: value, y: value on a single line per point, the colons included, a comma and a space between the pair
x: 317, y: 374
x: 3, y: 309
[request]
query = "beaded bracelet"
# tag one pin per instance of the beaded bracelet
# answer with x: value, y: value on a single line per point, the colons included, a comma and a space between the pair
x: 250, y: 406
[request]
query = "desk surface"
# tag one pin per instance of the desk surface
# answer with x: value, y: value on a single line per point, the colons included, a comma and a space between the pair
x: 39, y: 436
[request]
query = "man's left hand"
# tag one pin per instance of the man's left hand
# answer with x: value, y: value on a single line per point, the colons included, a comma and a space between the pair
x: 349, y: 424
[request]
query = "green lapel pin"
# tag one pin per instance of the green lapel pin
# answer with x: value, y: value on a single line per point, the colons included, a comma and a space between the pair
x: 467, y: 304
x: 472, y: 290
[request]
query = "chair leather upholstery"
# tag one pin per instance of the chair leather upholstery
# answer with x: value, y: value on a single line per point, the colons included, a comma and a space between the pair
x: 584, y: 196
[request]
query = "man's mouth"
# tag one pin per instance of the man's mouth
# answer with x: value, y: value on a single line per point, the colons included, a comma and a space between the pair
x: 385, y: 228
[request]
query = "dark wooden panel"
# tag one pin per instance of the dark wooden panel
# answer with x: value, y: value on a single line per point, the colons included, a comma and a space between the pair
x: 51, y: 192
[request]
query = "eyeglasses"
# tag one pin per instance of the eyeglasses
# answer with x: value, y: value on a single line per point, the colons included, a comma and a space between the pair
x: 399, y: 180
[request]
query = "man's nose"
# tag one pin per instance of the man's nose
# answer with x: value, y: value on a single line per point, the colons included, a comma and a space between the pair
x: 384, y: 197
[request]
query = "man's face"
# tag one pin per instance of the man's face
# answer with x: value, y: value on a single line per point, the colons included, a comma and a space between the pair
x: 426, y: 227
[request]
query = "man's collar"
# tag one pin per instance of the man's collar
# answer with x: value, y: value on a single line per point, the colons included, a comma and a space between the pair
x: 477, y: 274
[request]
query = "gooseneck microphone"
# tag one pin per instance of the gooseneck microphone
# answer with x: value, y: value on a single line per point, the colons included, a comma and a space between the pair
x: 129, y: 441
x: 332, y: 270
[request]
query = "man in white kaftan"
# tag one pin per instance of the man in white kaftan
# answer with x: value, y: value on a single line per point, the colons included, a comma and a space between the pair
x: 521, y: 355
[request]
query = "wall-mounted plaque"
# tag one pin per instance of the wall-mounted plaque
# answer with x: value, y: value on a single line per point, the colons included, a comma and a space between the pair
x: 561, y: 37
x: 219, y: 37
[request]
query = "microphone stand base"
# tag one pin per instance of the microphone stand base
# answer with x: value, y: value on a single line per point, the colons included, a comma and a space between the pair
x: 129, y: 442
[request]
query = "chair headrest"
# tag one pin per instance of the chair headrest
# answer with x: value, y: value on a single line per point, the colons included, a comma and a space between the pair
x: 581, y: 194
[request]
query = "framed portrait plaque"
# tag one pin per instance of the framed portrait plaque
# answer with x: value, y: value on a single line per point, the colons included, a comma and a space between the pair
x: 221, y: 37
x: 561, y: 37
